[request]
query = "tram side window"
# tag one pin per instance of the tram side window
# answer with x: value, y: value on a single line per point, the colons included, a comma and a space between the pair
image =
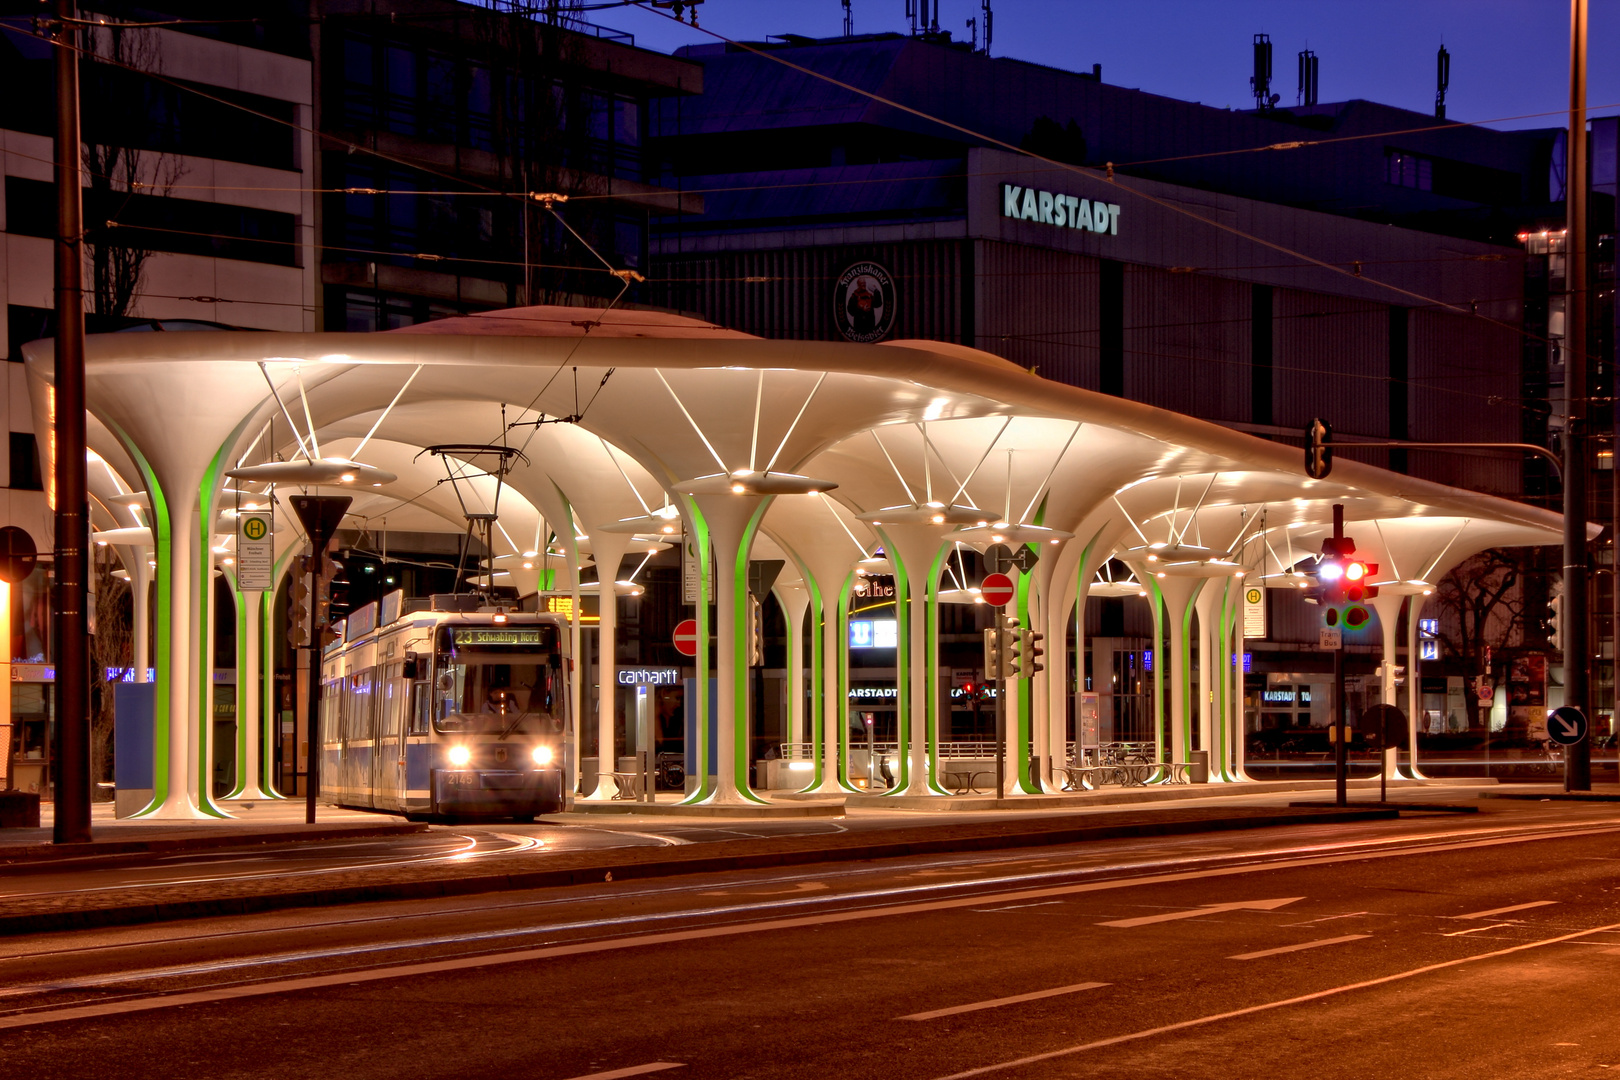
x: 421, y: 700
x: 391, y: 701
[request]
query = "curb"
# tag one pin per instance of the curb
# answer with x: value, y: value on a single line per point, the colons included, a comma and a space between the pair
x: 734, y: 858
x: 1553, y: 796
x: 23, y: 854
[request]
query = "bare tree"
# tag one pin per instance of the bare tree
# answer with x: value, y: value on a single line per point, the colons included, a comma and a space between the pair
x: 1482, y: 606
x: 118, y: 172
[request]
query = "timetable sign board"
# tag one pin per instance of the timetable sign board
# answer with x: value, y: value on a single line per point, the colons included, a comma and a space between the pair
x: 255, y: 552
x: 1254, y: 611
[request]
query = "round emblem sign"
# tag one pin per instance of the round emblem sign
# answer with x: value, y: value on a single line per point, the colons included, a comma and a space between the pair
x: 255, y: 528
x: 864, y: 303
x: 1252, y: 595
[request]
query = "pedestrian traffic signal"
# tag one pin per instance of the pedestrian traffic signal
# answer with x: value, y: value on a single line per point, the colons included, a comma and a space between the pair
x: 1318, y: 449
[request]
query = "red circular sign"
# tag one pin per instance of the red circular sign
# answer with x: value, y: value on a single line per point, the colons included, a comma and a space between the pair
x: 686, y: 639
x: 997, y: 590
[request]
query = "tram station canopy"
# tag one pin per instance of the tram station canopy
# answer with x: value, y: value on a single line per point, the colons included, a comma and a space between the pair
x: 816, y: 452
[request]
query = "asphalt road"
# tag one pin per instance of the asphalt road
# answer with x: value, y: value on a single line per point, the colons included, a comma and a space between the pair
x: 1479, y: 946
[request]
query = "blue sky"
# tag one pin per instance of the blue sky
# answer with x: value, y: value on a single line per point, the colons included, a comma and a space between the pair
x: 1509, y: 57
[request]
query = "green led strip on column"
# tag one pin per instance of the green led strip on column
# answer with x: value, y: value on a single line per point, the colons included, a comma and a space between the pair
x: 1026, y: 686
x: 1184, y: 674
x: 204, y: 572
x: 931, y: 658
x: 270, y: 716
x: 742, y: 718
x: 818, y: 689
x: 843, y: 684
x: 700, y: 615
x: 239, y: 599
x: 1160, y: 720
x: 902, y: 666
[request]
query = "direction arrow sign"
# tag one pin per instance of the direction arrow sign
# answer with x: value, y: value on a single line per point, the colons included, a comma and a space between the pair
x: 997, y: 590
x: 686, y: 640
x: 1025, y: 558
x: 1566, y: 725
x: 1208, y: 909
x: 998, y: 559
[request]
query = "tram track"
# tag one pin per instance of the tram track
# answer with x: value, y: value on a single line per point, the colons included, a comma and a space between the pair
x: 470, y: 945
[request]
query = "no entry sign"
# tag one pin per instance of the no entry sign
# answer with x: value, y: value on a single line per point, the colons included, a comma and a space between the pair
x: 686, y: 639
x: 997, y: 590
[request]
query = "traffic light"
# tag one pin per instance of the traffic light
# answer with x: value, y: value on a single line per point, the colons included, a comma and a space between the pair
x: 1555, y: 618
x: 1318, y: 449
x: 1030, y: 652
x: 992, y: 653
x: 299, y: 624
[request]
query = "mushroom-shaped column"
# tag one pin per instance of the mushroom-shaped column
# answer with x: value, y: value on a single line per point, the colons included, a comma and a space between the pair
x: 608, y: 550
x: 794, y: 597
x: 1177, y: 594
x: 913, y: 537
x: 1388, y: 606
x: 724, y: 520
x: 827, y: 542
x: 174, y: 430
x: 1211, y: 684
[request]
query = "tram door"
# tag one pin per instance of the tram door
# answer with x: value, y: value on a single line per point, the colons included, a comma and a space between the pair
x: 387, y: 767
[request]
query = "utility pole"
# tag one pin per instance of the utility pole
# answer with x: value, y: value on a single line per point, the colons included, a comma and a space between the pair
x: 72, y: 822
x: 1577, y: 659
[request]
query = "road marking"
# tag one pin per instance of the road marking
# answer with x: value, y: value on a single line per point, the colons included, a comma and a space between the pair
x: 1476, y: 929
x: 1214, y: 1018
x: 133, y: 1005
x: 633, y: 1070
x: 996, y: 1003
x: 1208, y: 909
x: 1298, y: 948
x: 1016, y: 907
x: 1505, y: 910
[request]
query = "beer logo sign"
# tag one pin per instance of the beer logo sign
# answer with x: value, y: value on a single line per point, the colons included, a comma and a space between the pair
x: 864, y: 303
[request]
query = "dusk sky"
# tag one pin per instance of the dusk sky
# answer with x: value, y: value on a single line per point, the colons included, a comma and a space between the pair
x: 1509, y: 57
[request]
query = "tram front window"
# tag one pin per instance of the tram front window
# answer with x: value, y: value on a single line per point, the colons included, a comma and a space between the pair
x: 498, y: 691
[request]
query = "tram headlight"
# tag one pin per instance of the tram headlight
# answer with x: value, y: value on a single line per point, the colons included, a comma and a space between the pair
x: 542, y: 755
x: 459, y: 756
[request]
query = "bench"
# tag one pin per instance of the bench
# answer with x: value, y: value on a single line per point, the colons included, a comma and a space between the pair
x: 629, y: 784
x: 966, y: 781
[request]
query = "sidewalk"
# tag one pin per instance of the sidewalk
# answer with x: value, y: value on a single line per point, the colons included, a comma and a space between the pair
x: 887, y: 833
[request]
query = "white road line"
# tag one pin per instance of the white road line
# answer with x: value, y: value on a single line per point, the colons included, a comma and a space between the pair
x: 996, y: 1003
x: 280, y: 986
x: 633, y: 1070
x: 1207, y: 909
x: 1505, y: 910
x: 1214, y: 1018
x: 1476, y: 929
x: 1298, y: 948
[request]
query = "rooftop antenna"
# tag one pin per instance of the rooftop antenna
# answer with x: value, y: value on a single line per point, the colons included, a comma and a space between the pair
x: 989, y: 23
x: 1260, y: 83
x: 849, y: 18
x: 1442, y: 82
x: 1307, y: 78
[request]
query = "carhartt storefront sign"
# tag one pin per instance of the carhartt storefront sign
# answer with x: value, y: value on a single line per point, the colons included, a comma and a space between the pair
x: 1064, y: 211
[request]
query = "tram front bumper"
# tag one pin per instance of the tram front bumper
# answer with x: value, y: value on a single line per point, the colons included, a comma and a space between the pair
x: 486, y: 791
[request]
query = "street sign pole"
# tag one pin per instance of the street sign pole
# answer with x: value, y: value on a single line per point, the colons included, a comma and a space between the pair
x: 320, y: 516
x: 72, y: 822
x: 1001, y: 707
x: 1577, y: 657
x: 1341, y: 756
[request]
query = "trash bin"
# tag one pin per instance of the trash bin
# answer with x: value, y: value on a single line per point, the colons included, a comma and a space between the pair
x: 1198, y: 767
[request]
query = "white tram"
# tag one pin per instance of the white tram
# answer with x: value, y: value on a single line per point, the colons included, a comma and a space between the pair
x: 438, y: 713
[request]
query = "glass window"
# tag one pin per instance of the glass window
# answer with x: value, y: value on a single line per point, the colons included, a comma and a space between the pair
x: 399, y: 74
x: 627, y: 123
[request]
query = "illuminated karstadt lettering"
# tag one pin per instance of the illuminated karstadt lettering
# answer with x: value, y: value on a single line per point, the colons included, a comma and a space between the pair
x: 1063, y: 211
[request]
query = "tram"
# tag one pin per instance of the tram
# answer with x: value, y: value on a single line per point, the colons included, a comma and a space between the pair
x: 441, y: 713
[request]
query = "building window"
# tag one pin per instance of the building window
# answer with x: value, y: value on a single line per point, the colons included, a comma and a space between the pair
x: 25, y: 474
x: 1408, y: 170
x: 362, y: 312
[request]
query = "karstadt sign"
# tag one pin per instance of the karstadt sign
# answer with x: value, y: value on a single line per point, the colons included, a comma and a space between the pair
x: 1063, y: 211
